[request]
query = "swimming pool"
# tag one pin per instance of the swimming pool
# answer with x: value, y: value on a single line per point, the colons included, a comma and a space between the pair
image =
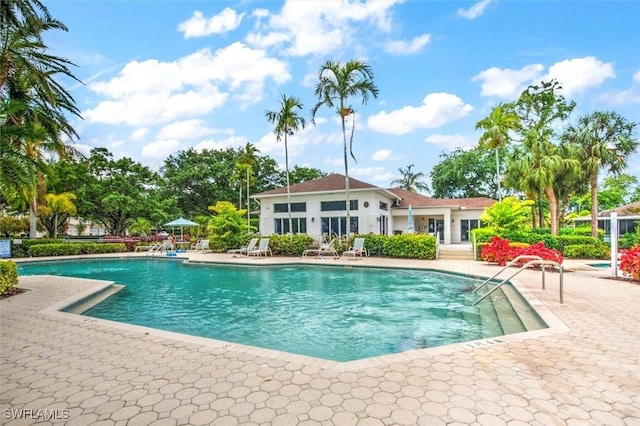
x: 329, y: 312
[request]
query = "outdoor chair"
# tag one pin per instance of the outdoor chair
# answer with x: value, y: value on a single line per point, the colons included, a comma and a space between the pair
x: 263, y: 249
x: 245, y: 249
x: 357, y: 249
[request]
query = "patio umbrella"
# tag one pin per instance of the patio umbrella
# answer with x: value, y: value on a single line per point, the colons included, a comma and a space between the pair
x: 181, y: 222
x: 410, y: 220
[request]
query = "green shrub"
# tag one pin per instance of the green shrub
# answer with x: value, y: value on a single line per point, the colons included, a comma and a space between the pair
x: 8, y: 276
x: 484, y: 235
x: 65, y: 249
x: 579, y: 230
x: 290, y: 245
x: 38, y: 250
x: 630, y: 239
x: 587, y: 251
x: 410, y: 246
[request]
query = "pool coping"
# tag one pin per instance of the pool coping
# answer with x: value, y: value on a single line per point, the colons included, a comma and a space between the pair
x: 554, y: 324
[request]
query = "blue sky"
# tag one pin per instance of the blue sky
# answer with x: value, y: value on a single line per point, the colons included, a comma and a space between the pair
x: 164, y: 76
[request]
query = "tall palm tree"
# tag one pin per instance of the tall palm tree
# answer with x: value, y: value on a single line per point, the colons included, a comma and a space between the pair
x: 248, y: 160
x: 410, y: 180
x: 287, y: 122
x: 605, y: 141
x: 496, y: 128
x: 536, y: 168
x: 37, y: 103
x: 337, y: 83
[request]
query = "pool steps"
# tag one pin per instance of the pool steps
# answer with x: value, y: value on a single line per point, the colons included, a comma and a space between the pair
x: 86, y: 303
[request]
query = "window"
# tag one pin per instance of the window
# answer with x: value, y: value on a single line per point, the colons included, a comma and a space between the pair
x: 384, y: 206
x: 338, y: 226
x: 295, y: 207
x: 339, y: 206
x: 299, y: 225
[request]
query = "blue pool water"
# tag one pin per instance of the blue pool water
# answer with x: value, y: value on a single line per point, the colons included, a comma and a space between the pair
x: 334, y: 313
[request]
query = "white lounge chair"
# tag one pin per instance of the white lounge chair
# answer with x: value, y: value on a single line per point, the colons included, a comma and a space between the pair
x: 202, y: 245
x: 325, y: 249
x: 357, y: 249
x: 263, y: 249
x: 245, y: 249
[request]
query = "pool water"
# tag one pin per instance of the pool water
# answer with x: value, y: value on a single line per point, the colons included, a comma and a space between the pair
x: 335, y: 313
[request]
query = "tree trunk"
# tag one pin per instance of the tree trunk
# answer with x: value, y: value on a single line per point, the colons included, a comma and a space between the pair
x: 593, y: 181
x: 33, y: 217
x: 346, y: 177
x: 553, y: 209
x: 498, y: 174
x: 286, y: 167
x: 248, y: 210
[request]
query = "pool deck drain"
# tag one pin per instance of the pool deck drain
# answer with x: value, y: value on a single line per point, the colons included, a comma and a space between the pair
x: 97, y: 372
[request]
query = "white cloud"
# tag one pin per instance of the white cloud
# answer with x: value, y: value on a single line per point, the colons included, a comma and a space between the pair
x: 505, y: 82
x: 628, y: 96
x: 319, y: 27
x: 371, y: 174
x: 451, y: 141
x: 575, y: 75
x: 381, y: 155
x: 334, y: 161
x: 160, y: 149
x: 436, y: 110
x: 139, y: 134
x: 199, y: 26
x: 401, y: 47
x: 186, y: 129
x: 474, y: 11
x: 156, y: 92
x: 579, y: 74
x: 230, y: 142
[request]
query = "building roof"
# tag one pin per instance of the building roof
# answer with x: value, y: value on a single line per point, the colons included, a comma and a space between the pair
x: 632, y: 209
x: 332, y: 182
x: 335, y: 183
x: 418, y: 200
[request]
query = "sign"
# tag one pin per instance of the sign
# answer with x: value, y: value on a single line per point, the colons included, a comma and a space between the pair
x: 5, y: 248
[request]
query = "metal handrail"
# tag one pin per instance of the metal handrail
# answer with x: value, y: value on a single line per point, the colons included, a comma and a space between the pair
x: 538, y: 261
x: 507, y: 266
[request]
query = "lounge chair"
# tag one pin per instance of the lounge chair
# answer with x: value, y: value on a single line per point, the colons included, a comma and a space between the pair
x: 263, y: 249
x: 357, y: 249
x: 325, y: 249
x: 245, y: 249
x: 202, y: 245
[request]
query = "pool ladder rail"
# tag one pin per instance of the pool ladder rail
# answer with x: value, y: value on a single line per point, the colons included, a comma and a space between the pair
x: 535, y: 260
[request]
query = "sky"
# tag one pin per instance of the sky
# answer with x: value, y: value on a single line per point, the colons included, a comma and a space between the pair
x: 164, y: 76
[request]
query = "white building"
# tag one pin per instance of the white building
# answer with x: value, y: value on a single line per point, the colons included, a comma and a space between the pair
x: 318, y: 208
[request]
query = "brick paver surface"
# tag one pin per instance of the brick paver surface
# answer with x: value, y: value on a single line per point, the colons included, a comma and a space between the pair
x: 82, y: 371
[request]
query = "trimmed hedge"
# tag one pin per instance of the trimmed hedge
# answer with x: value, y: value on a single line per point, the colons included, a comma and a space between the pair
x: 8, y: 276
x: 409, y: 246
x: 587, y: 251
x: 64, y: 249
x: 290, y: 245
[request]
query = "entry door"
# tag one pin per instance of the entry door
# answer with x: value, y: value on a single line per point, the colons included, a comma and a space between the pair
x: 466, y: 226
x: 437, y: 225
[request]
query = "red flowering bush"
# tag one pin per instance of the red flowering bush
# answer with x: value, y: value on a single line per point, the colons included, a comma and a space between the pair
x: 498, y: 251
x: 540, y: 250
x: 630, y: 262
x: 501, y: 251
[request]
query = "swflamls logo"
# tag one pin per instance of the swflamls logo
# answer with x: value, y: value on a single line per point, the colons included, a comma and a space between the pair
x: 40, y: 414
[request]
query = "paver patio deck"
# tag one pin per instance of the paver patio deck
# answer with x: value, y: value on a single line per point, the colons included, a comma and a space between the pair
x: 87, y: 371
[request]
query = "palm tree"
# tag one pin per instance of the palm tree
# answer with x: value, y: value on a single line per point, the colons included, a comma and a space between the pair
x: 605, y: 141
x: 35, y: 104
x: 410, y: 180
x: 337, y: 83
x: 287, y: 122
x: 536, y: 168
x: 247, y: 160
x: 496, y: 135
